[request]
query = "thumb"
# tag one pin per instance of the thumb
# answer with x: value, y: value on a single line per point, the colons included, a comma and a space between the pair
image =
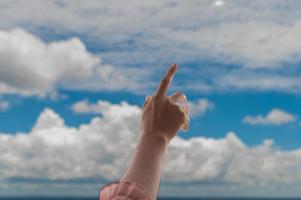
x: 147, y: 99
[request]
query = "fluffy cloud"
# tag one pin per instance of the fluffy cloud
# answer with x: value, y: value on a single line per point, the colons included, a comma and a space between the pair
x: 85, y: 107
x: 200, y: 107
x: 30, y: 66
x: 101, y: 150
x: 54, y: 151
x: 274, y: 117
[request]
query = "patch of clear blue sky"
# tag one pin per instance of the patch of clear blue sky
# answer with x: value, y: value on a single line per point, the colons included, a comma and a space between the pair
x: 226, y: 116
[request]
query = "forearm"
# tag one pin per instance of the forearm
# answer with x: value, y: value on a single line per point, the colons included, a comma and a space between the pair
x: 145, y: 167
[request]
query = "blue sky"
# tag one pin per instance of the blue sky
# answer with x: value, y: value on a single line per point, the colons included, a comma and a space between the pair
x: 73, y: 79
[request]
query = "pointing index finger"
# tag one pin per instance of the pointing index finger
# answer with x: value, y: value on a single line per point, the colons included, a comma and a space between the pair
x: 165, y: 82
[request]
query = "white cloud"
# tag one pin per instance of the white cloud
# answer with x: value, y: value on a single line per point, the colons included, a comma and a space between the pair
x: 85, y: 107
x: 274, y: 117
x: 101, y: 107
x: 4, y: 105
x: 54, y: 151
x: 231, y: 31
x: 150, y: 35
x: 102, y: 148
x: 252, y: 44
x: 30, y: 66
x: 256, y: 82
x: 219, y: 3
x: 200, y: 107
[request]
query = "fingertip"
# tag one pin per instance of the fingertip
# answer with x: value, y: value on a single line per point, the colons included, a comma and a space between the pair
x: 174, y: 67
x: 147, y: 100
x: 172, y: 70
x: 165, y: 82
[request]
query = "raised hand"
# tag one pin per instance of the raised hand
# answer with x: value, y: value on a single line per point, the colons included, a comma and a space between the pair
x: 161, y: 116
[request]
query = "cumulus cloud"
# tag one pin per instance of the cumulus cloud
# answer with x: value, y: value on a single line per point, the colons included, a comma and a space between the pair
x: 30, y: 66
x: 85, y: 107
x: 101, y: 150
x: 274, y: 117
x: 45, y: 148
x: 200, y: 107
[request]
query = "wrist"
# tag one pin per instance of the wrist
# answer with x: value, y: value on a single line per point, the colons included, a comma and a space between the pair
x: 154, y: 138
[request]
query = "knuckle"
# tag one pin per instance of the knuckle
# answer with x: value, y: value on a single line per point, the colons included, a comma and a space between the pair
x: 158, y: 100
x: 168, y: 101
x: 174, y: 106
x: 180, y: 111
x: 157, y: 97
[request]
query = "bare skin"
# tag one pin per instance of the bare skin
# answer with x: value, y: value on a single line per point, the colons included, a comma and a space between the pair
x: 160, y: 122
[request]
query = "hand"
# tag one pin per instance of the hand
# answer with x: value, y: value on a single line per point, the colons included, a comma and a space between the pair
x: 161, y: 117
